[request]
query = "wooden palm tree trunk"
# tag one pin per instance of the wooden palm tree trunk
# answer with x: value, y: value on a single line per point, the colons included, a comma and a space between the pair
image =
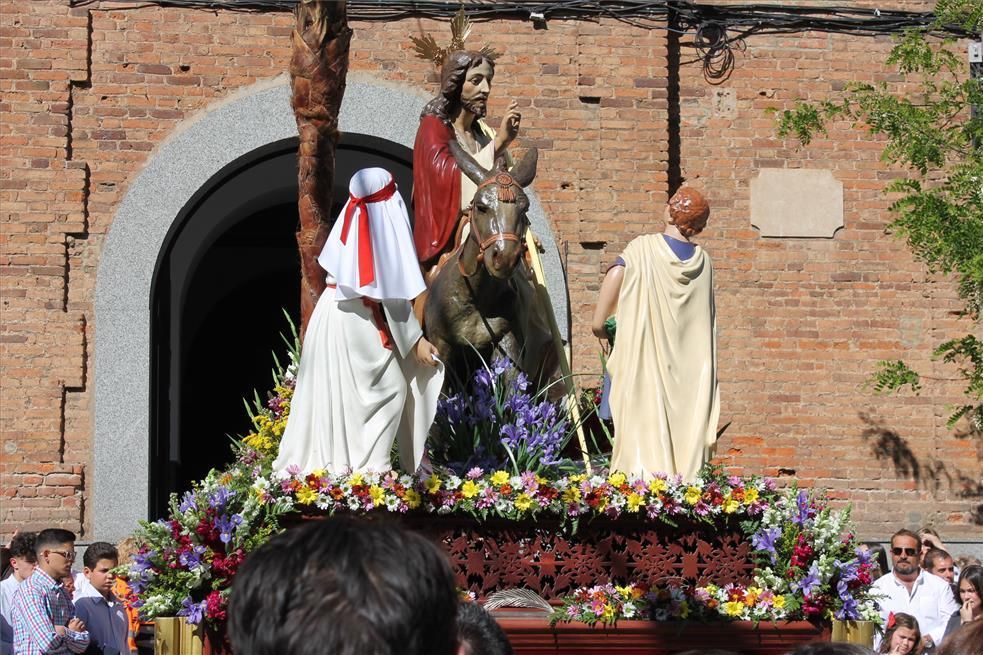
x: 318, y: 68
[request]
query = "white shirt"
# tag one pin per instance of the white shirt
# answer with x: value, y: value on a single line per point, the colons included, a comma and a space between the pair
x: 7, y: 589
x: 105, y: 620
x: 931, y: 601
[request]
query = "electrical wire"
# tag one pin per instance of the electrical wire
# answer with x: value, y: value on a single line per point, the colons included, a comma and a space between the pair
x: 644, y: 13
x: 718, y: 30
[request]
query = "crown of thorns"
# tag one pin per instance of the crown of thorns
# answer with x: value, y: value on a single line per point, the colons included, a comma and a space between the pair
x: 426, y: 46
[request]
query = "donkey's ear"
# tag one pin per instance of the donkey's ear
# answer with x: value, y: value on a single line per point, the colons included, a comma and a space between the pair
x: 524, y: 172
x: 475, y: 171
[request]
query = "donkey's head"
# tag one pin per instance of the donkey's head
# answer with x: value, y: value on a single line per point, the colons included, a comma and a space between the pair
x: 498, y: 211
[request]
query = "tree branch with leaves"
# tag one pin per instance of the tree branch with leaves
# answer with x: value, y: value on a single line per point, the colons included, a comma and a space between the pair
x: 936, y: 135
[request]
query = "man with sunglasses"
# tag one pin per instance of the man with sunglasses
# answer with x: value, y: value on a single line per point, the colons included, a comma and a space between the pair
x: 44, y: 616
x: 910, y: 589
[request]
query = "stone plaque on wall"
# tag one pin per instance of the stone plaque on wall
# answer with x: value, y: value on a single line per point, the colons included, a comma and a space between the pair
x: 796, y: 202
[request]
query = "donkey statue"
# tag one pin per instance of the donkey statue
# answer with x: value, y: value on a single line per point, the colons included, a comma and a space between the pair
x: 482, y: 301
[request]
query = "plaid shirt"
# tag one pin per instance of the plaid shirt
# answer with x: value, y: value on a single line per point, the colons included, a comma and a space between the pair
x: 39, y: 605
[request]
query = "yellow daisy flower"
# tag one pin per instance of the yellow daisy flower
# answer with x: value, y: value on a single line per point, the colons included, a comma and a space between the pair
x: 469, y: 489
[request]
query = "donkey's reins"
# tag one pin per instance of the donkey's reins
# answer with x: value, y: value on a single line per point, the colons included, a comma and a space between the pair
x: 506, y: 193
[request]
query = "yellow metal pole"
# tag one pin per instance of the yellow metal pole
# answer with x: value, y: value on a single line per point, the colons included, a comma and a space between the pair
x: 539, y: 281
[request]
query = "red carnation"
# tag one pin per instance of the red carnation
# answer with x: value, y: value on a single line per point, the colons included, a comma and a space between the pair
x: 215, y: 606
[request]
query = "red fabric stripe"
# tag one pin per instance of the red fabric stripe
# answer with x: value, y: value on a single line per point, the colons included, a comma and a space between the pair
x: 366, y: 261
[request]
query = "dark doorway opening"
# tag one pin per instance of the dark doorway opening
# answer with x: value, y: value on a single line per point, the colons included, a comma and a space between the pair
x: 226, y: 273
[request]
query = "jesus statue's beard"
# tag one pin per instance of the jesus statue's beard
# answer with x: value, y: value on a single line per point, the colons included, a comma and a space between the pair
x: 478, y: 108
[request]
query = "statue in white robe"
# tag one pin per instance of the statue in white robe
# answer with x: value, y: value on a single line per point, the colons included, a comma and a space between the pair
x: 367, y: 376
x: 664, y: 397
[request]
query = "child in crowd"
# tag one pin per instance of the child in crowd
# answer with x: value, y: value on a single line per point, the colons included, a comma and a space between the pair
x: 21, y: 563
x: 98, y: 606
x: 902, y: 635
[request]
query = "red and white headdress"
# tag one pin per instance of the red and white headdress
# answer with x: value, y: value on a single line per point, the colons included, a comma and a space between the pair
x: 370, y: 249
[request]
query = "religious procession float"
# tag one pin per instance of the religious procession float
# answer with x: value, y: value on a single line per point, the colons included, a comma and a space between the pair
x: 432, y: 389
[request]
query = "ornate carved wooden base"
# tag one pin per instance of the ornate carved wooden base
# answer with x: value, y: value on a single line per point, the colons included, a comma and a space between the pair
x: 539, y: 556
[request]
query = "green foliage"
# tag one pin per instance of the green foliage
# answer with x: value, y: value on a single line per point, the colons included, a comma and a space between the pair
x: 931, y: 132
x: 894, y: 376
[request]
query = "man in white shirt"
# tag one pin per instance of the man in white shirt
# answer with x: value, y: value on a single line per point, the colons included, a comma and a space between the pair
x: 22, y: 561
x: 909, y: 589
x: 103, y: 613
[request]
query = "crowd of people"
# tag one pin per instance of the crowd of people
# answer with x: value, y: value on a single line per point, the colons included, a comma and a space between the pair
x: 929, y: 602
x: 344, y: 585
x: 48, y: 606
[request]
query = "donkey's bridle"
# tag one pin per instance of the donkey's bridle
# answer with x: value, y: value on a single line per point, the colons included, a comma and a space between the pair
x: 505, y: 184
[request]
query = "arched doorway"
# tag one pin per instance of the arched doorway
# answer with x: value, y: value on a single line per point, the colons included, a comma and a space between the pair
x: 206, y: 149
x: 228, y: 270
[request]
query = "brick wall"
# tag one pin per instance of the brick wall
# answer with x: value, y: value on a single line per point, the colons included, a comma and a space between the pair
x: 802, y: 321
x: 87, y: 94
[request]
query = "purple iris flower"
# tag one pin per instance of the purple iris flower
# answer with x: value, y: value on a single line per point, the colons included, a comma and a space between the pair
x: 187, y: 503
x: 765, y: 541
x: 226, y: 525
x: 512, y: 435
x: 847, y: 570
x: 194, y: 612
x: 810, y: 582
x: 863, y: 556
x: 141, y: 563
x: 483, y: 378
x: 220, y: 498
x: 191, y: 558
x: 850, y: 610
x: 805, y: 512
x: 499, y: 365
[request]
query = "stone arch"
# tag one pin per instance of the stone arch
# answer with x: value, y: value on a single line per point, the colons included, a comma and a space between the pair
x: 181, y: 166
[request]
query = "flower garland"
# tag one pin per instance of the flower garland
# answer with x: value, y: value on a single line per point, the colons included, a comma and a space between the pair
x: 607, y: 604
x: 808, y: 566
x: 487, y: 494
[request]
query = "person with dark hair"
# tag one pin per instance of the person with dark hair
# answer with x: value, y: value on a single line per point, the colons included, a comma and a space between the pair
x: 440, y: 190
x: 910, y: 589
x: 97, y: 605
x: 971, y: 601
x: 664, y: 398
x: 938, y: 562
x: 967, y: 640
x: 902, y: 636
x: 22, y: 563
x: 479, y: 633
x: 930, y: 539
x: 44, y: 616
x: 346, y: 587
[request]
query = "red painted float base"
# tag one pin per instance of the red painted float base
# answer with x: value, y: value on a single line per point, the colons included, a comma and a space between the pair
x: 531, y: 634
